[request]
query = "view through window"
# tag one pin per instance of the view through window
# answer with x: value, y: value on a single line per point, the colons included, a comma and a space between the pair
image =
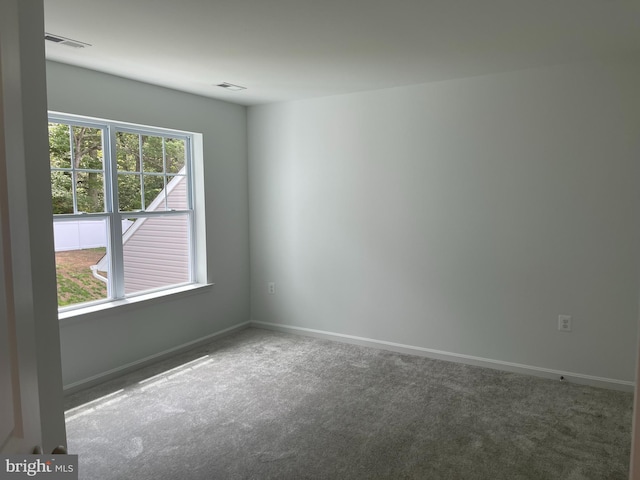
x: 123, y: 209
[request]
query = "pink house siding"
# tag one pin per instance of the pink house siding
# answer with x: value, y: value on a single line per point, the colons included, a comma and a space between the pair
x: 156, y: 249
x: 157, y: 255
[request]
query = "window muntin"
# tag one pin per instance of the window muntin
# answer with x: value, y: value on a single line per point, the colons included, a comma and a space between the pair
x: 77, y: 168
x: 146, y: 164
x: 136, y: 181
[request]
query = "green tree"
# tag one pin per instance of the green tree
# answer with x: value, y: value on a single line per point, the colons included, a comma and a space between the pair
x: 140, y: 159
x: 87, y: 155
x: 87, y: 144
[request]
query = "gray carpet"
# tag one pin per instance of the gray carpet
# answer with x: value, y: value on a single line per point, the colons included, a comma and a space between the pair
x: 266, y: 405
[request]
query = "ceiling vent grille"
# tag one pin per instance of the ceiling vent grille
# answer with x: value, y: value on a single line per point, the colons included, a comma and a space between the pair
x: 231, y: 86
x: 67, y: 42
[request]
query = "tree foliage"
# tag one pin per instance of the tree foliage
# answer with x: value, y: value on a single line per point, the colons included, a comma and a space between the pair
x: 145, y: 163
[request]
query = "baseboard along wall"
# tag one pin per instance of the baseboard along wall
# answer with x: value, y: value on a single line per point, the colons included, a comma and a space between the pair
x: 609, y: 383
x: 578, y: 378
x: 143, y: 362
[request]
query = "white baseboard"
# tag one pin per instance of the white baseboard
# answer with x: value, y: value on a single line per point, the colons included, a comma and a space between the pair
x: 578, y: 378
x: 118, y: 371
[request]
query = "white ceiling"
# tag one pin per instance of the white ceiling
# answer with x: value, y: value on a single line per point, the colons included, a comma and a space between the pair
x: 291, y: 49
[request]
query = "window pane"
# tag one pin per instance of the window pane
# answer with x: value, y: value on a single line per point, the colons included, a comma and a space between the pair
x: 81, y: 260
x: 128, y: 152
x: 87, y: 148
x: 59, y: 146
x: 156, y: 253
x: 154, y: 192
x: 177, y: 193
x: 175, y: 154
x: 150, y: 173
x: 129, y: 193
x: 90, y: 192
x: 61, y: 192
x: 152, y: 159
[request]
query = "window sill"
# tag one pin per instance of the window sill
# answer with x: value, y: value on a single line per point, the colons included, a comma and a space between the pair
x: 127, y: 304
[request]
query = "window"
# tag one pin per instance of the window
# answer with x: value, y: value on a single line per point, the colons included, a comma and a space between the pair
x: 123, y: 209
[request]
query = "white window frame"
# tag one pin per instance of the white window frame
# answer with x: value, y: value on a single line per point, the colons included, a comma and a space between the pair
x: 113, y: 217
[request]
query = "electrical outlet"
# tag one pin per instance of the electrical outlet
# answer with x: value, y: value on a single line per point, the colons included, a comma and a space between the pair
x: 564, y: 323
x: 271, y: 288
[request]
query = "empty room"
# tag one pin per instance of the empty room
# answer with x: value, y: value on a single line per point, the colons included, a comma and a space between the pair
x: 283, y: 239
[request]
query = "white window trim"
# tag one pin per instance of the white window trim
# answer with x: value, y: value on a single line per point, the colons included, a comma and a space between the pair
x: 198, y: 264
x: 95, y: 310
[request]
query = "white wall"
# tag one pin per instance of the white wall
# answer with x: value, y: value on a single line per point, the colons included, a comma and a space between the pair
x: 98, y: 343
x: 460, y: 216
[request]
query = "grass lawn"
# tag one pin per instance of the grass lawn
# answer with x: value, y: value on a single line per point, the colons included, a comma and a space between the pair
x: 76, y: 283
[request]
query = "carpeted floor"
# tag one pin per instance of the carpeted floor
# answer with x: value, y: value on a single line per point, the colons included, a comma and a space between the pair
x: 265, y: 405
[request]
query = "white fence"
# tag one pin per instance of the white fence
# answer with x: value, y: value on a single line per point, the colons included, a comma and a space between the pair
x: 76, y: 235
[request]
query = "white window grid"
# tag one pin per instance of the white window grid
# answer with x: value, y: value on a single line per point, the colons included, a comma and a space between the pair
x: 112, y: 215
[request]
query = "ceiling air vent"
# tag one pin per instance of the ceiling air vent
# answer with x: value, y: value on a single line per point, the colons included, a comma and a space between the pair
x: 65, y: 41
x: 231, y: 86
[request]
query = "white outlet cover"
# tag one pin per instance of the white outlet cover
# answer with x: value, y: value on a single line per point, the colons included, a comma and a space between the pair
x: 564, y: 323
